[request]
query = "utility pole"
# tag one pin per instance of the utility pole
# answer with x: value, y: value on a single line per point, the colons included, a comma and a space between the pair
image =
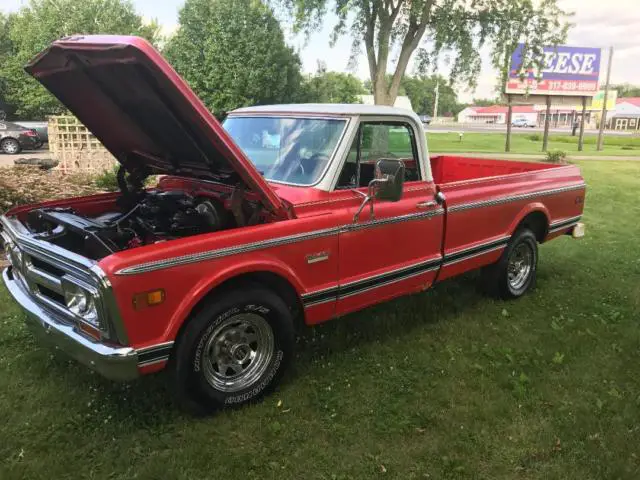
x: 603, y: 115
x: 437, y: 99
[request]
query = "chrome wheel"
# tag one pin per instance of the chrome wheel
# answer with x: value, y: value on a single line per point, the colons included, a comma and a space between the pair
x: 10, y: 146
x: 238, y: 352
x: 520, y: 266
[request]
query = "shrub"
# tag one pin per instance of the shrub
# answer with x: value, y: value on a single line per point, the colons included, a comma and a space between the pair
x: 24, y: 185
x: 107, y: 180
x: 534, y: 137
x: 556, y: 156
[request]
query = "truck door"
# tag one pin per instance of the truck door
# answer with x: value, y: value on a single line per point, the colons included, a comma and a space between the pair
x: 398, y: 249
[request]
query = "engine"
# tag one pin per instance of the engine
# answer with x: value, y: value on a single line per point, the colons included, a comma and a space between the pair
x: 154, y: 216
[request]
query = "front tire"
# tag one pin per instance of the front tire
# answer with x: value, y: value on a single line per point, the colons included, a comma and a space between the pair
x: 233, y: 351
x: 10, y: 146
x: 514, y: 274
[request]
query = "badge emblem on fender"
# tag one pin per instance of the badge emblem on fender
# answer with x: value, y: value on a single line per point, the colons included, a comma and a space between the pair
x: 317, y: 257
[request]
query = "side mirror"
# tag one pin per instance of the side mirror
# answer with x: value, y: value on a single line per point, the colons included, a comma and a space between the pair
x: 389, y: 179
x: 386, y: 185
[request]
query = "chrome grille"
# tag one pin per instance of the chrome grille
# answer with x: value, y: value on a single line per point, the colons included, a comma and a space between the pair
x: 42, y: 277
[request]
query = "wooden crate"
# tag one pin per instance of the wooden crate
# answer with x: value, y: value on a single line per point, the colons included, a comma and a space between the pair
x: 75, y: 147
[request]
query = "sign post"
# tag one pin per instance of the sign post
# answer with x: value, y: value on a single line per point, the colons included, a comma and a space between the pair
x: 547, y: 121
x: 507, y: 145
x: 584, y: 114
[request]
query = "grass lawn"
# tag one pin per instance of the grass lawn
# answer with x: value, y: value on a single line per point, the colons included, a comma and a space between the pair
x: 530, y: 143
x: 447, y: 384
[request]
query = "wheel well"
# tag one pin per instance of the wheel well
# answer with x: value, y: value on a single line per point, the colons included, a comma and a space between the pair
x: 536, y: 222
x: 269, y: 280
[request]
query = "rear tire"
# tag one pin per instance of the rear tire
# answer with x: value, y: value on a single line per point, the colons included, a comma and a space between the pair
x: 515, y: 273
x: 10, y: 146
x: 233, y: 351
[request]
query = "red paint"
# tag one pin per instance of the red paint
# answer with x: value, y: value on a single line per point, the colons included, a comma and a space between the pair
x: 353, y: 255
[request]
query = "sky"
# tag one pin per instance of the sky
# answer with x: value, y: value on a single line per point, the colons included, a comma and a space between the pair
x: 597, y: 23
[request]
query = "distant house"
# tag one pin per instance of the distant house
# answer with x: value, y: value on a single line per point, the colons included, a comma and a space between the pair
x: 402, y: 101
x: 497, y: 114
x: 626, y: 116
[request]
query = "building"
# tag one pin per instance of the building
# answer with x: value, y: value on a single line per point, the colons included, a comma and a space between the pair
x: 626, y: 116
x: 497, y: 114
x: 402, y: 101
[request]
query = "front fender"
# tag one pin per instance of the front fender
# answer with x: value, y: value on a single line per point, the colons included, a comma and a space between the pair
x: 262, y: 263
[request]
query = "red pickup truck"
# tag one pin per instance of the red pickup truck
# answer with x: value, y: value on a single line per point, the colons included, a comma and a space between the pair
x: 282, y: 215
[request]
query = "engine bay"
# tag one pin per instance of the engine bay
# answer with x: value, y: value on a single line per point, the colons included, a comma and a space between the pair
x: 142, y: 217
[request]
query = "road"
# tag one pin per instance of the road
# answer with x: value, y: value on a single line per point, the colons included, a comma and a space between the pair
x: 491, y: 128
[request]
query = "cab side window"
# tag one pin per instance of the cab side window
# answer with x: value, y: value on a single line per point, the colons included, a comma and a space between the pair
x: 374, y: 141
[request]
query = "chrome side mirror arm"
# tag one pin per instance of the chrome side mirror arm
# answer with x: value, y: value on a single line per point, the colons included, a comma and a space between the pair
x: 369, y: 198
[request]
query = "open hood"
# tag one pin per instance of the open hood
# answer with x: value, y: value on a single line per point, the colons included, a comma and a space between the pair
x: 143, y: 112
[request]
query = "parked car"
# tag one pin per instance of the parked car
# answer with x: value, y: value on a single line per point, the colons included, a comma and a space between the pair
x: 523, y: 122
x: 425, y: 119
x: 41, y: 128
x: 15, y: 138
x: 208, y: 274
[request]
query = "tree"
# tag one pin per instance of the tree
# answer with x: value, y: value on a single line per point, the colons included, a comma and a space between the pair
x: 627, y: 90
x: 398, y: 28
x: 35, y: 26
x: 233, y: 54
x: 5, y: 52
x: 332, y: 87
x: 484, y: 102
x: 421, y: 92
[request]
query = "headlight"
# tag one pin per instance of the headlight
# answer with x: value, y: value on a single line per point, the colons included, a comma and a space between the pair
x: 81, y: 302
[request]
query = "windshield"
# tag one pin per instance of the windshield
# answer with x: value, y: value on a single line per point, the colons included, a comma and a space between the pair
x: 290, y: 150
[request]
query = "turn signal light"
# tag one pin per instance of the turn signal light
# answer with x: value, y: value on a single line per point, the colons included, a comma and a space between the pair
x: 148, y: 299
x: 90, y: 330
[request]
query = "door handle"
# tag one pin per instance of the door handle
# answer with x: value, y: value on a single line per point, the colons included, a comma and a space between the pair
x: 426, y: 204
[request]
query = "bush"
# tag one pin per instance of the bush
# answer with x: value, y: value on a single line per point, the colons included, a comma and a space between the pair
x: 24, y: 185
x: 557, y: 156
x: 534, y: 137
x: 108, y: 180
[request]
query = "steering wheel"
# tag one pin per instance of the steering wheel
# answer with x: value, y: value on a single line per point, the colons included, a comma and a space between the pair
x: 315, y: 162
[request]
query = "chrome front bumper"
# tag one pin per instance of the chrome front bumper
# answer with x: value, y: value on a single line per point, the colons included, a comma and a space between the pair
x: 115, y: 363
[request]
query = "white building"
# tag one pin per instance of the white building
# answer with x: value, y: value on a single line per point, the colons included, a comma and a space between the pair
x: 497, y: 114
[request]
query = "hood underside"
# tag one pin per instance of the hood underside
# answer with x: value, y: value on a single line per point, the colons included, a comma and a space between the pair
x: 143, y: 112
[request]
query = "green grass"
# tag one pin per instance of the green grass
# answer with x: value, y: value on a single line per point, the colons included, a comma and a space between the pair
x: 444, y: 385
x: 530, y: 143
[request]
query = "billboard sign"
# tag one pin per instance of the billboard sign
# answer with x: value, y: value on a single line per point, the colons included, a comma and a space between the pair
x: 569, y: 71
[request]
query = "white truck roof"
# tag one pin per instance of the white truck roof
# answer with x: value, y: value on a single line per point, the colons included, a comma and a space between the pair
x: 327, y: 182
x: 349, y: 109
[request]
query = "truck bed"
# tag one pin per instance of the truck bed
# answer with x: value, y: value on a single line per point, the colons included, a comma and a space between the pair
x: 449, y: 169
x: 486, y: 199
